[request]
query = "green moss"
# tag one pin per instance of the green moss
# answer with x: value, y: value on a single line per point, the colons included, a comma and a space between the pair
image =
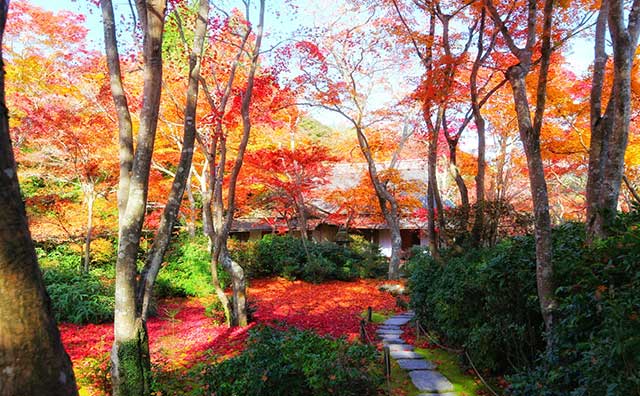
x: 376, y: 317
x: 449, y: 366
x: 134, y: 366
x: 401, y: 382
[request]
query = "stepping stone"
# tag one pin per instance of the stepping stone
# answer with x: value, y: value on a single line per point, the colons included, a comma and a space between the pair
x: 397, y: 321
x: 439, y: 394
x: 430, y: 381
x: 389, y: 336
x: 400, y: 347
x: 392, y: 341
x: 388, y: 331
x: 385, y: 327
x: 405, y: 355
x: 416, y: 364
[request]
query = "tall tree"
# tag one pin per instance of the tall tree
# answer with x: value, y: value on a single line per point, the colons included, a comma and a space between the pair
x: 218, y: 216
x: 130, y: 370
x: 529, y: 131
x: 610, y: 130
x: 32, y: 358
x: 343, y: 75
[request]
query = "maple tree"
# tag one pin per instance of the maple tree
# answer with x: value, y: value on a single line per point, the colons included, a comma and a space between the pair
x: 339, y: 74
x: 50, y: 127
x: 289, y: 178
x: 218, y: 216
x: 33, y: 359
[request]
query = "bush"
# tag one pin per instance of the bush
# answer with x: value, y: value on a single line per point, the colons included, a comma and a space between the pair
x: 297, y: 363
x: 486, y: 301
x: 188, y: 270
x: 372, y: 264
x: 76, y: 297
x: 596, y: 337
x: 279, y: 255
x: 285, y: 256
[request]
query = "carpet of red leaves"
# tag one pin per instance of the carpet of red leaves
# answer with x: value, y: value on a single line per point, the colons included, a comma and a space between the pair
x: 182, y: 335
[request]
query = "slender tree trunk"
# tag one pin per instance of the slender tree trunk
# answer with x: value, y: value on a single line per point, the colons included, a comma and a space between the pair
x: 388, y: 203
x: 209, y: 230
x: 191, y: 220
x: 609, y: 132
x: 224, y: 226
x: 530, y: 136
x: 600, y: 128
x: 239, y: 287
x: 433, y: 208
x: 181, y: 179
x: 130, y: 364
x: 542, y: 220
x: 32, y: 358
x: 396, y: 246
x: 91, y: 197
x: 478, y: 224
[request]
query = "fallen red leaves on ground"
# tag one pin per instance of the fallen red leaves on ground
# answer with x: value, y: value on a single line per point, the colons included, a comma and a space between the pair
x: 181, y: 334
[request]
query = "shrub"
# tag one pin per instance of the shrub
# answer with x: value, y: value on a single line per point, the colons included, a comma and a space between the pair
x: 279, y: 255
x: 285, y: 256
x: 596, y: 337
x: 372, y: 264
x: 486, y: 301
x: 297, y: 363
x: 188, y: 270
x: 76, y: 297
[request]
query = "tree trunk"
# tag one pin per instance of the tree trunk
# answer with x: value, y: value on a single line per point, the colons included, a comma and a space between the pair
x: 478, y: 224
x: 600, y: 128
x: 239, y: 287
x: 396, y: 247
x: 223, y: 221
x: 387, y: 202
x: 181, y: 179
x: 610, y: 132
x: 91, y: 197
x: 432, y: 189
x: 531, y: 141
x: 191, y: 220
x: 462, y: 187
x: 130, y: 371
x: 209, y: 230
x: 530, y: 136
x: 32, y: 358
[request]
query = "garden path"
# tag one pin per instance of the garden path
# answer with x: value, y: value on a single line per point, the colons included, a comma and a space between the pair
x: 423, y: 373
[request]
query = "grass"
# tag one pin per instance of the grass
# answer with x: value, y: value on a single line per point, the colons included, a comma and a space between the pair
x: 449, y: 365
x: 376, y: 317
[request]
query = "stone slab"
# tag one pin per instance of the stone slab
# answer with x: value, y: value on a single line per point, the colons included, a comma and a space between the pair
x: 392, y: 341
x: 439, y: 394
x: 430, y: 381
x: 405, y: 355
x: 416, y: 364
x: 400, y: 347
x: 389, y: 331
x: 397, y: 321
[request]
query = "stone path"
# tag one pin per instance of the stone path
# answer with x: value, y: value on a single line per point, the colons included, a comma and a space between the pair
x: 422, y: 372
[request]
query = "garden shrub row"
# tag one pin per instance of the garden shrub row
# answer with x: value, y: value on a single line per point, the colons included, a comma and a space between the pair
x: 281, y: 255
x: 485, y: 300
x: 297, y: 363
x: 79, y: 297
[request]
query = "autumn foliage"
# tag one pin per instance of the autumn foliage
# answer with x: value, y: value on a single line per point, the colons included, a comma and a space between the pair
x: 183, y: 334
